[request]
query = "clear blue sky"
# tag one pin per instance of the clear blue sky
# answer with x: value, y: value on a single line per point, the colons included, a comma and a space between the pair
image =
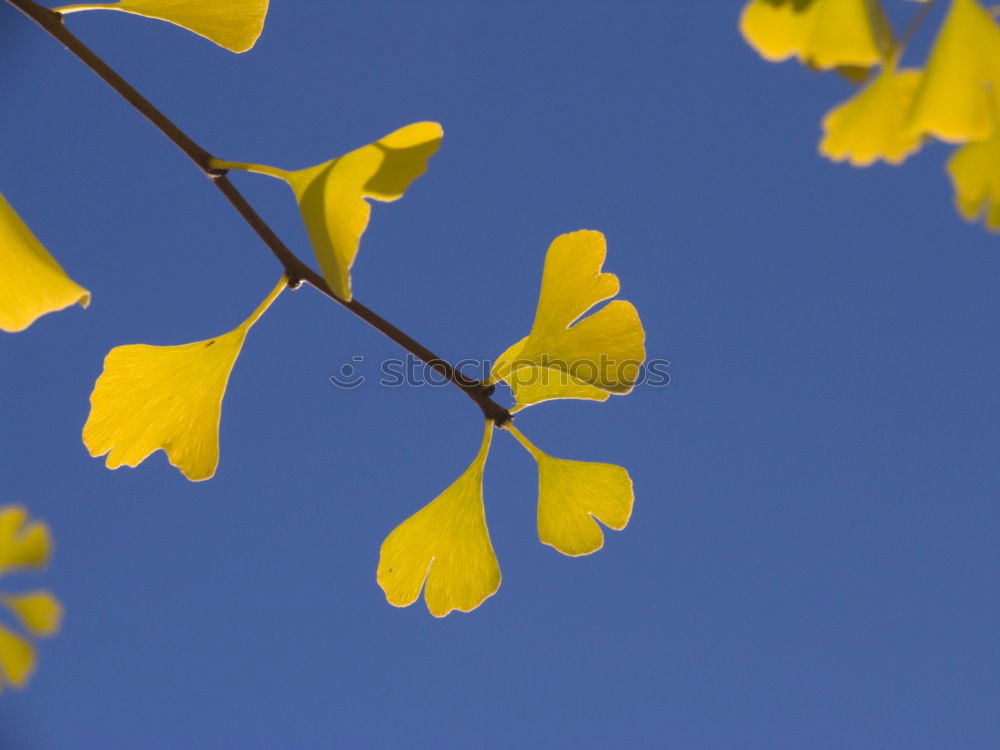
x: 812, y: 561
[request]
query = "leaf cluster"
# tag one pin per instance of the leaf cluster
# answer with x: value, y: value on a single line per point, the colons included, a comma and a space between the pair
x: 952, y: 97
x: 151, y: 397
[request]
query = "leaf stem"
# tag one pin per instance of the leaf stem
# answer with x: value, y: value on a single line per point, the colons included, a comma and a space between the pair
x: 911, y: 28
x: 266, y: 303
x: 76, y: 7
x: 295, y: 269
x: 527, y: 444
x: 221, y: 164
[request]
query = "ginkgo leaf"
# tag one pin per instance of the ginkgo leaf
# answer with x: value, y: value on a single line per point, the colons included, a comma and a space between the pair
x: 871, y: 124
x: 821, y: 33
x: 566, y: 356
x: 233, y: 24
x: 17, y: 659
x: 975, y: 175
x: 23, y: 544
x: 956, y: 99
x: 446, y: 544
x: 531, y: 383
x: 31, y: 281
x: 331, y: 196
x: 169, y: 397
x: 39, y: 612
x: 571, y: 494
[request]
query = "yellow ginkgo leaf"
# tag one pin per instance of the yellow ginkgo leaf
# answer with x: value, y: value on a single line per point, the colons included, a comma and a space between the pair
x: 531, y: 383
x: 23, y: 544
x: 565, y: 356
x: 975, y: 175
x: 956, y: 98
x: 169, y: 397
x: 31, y: 281
x: 17, y: 659
x: 39, y: 612
x: 447, y: 544
x: 821, y: 33
x: 331, y: 196
x: 571, y: 494
x: 233, y: 24
x: 871, y: 124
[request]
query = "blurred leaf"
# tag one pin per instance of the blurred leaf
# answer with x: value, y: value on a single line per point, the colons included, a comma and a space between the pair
x: 823, y: 34
x: 23, y: 544
x: 17, y: 659
x: 39, y: 612
x: 975, y: 175
x: 871, y: 124
x: 957, y: 97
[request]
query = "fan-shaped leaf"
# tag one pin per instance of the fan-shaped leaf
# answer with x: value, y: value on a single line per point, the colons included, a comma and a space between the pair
x: 445, y: 544
x: 169, y: 397
x: 566, y: 356
x: 571, y: 494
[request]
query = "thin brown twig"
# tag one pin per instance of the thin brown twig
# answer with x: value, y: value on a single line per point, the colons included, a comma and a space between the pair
x: 295, y: 269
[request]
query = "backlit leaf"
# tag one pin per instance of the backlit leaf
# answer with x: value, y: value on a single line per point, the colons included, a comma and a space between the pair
x: 571, y: 494
x: 332, y: 195
x: 566, y: 355
x: 445, y: 544
x: 169, y: 397
x: 31, y: 281
x: 233, y: 24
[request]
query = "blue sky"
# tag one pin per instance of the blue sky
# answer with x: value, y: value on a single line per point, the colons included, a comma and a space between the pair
x: 812, y: 557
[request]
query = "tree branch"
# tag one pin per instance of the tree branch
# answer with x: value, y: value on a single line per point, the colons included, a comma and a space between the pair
x: 296, y: 270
